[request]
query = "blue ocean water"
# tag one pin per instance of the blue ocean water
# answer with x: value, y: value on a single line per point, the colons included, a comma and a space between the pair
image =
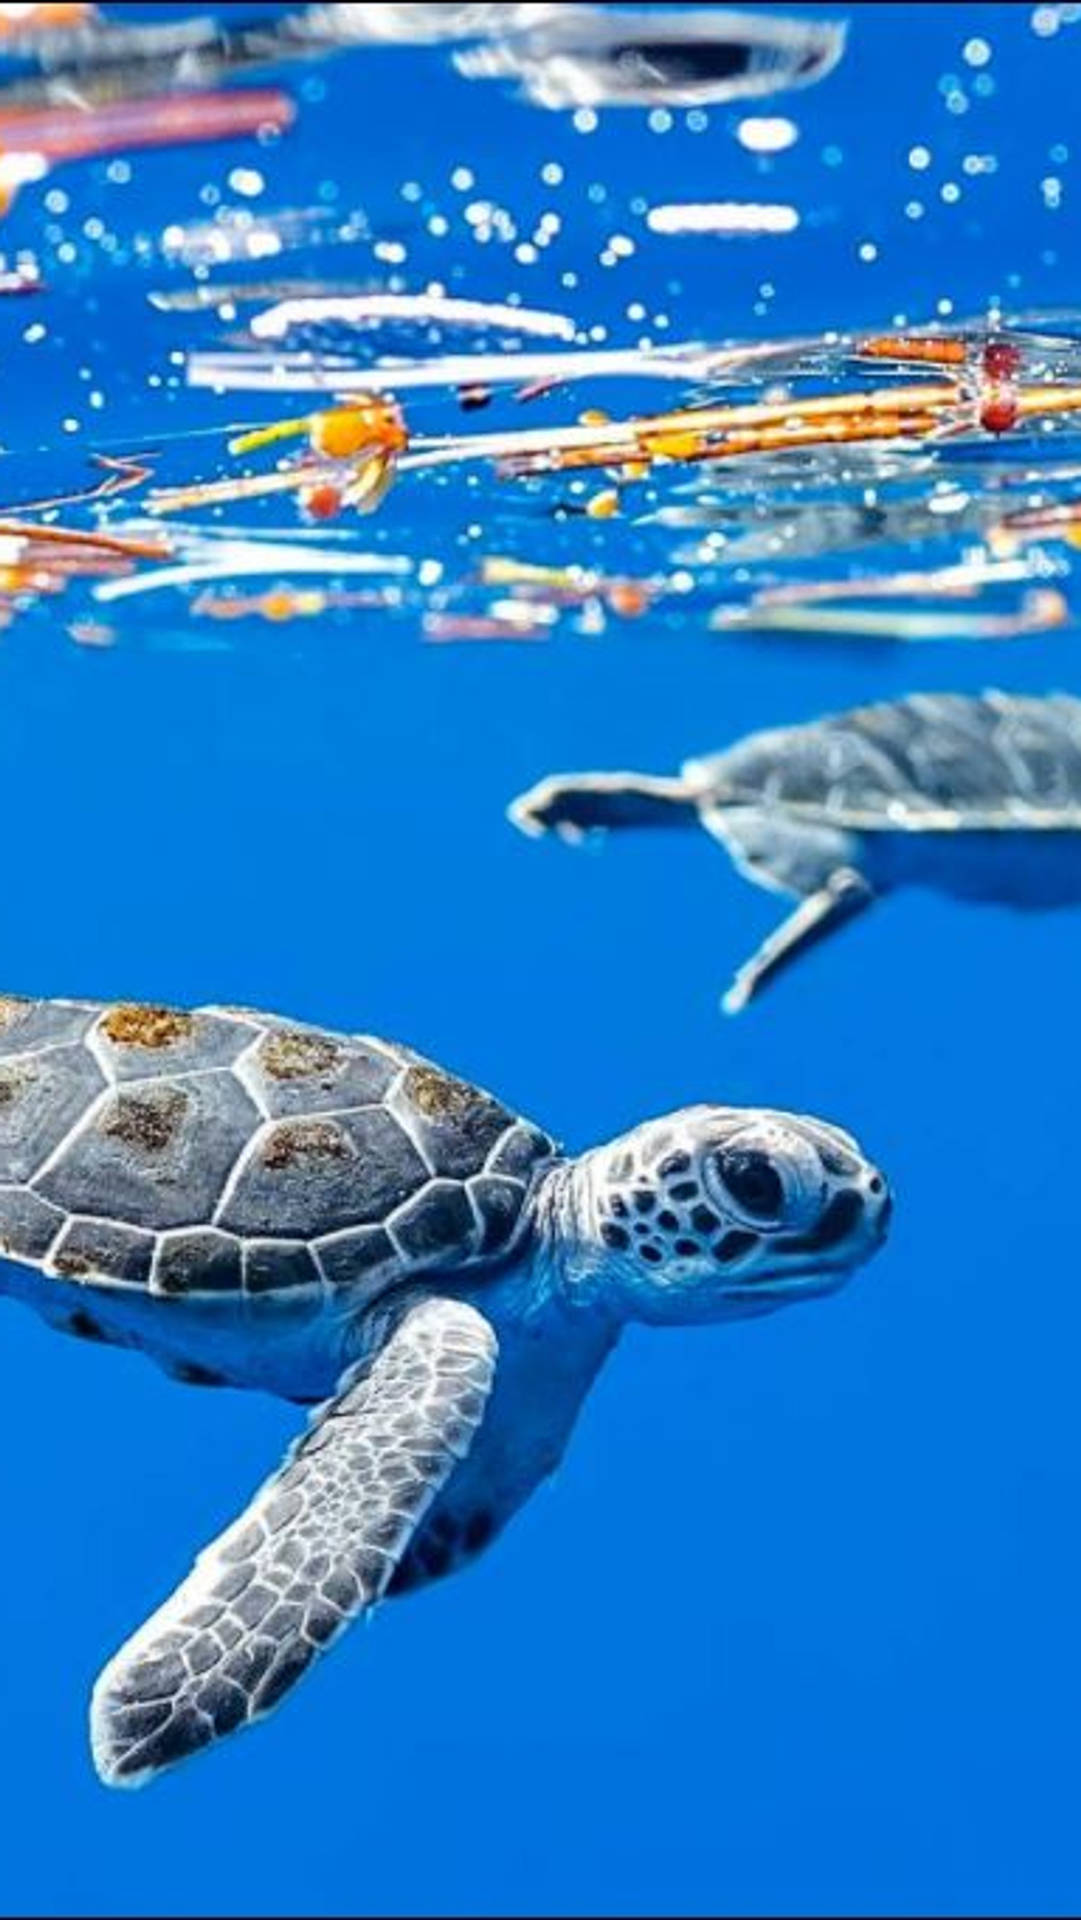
x: 795, y: 1626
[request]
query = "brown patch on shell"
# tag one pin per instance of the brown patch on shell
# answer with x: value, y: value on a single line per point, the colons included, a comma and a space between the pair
x: 291, y: 1055
x: 131, y: 1025
x: 437, y: 1095
x: 147, y: 1120
x: 12, y: 1008
x: 73, y: 1266
x: 300, y: 1140
x: 12, y: 1082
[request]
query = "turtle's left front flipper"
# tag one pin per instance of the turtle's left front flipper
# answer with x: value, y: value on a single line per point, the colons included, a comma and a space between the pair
x: 845, y: 894
x: 316, y: 1547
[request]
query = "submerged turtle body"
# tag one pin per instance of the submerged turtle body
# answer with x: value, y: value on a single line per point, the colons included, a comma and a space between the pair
x: 931, y: 763
x: 222, y: 1152
x: 976, y: 796
x: 333, y: 1218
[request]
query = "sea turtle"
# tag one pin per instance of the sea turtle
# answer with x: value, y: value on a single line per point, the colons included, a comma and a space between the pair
x: 335, y: 1219
x: 977, y: 796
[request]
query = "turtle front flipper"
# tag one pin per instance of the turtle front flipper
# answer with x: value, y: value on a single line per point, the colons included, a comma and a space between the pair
x: 317, y: 1546
x: 574, y: 804
x: 845, y: 894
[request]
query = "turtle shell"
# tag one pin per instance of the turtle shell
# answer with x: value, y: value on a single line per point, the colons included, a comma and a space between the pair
x: 928, y: 762
x: 223, y: 1151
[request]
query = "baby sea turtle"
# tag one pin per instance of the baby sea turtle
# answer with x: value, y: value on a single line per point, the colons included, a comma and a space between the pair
x: 262, y: 1204
x: 976, y: 796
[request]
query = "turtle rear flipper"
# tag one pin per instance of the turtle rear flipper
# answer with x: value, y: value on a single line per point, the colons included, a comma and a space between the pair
x: 575, y: 804
x: 845, y: 894
x: 316, y: 1547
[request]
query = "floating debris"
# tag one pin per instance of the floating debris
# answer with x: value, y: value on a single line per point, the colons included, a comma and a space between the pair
x: 340, y: 434
x: 121, y: 474
x: 930, y: 351
x: 778, y: 451
x: 20, y: 23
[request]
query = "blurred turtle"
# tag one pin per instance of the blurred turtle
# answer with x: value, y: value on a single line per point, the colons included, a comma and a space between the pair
x: 978, y: 796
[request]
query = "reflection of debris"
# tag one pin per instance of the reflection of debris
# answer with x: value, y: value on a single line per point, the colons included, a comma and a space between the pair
x: 562, y: 55
x: 283, y: 603
x: 104, y: 61
x: 581, y: 57
x: 961, y: 581
x: 424, y: 310
x: 72, y: 133
x: 23, y: 278
x: 525, y: 623
x: 1041, y: 608
x: 571, y: 586
x: 1058, y: 520
x: 36, y: 561
x: 283, y: 372
x: 223, y: 554
x: 91, y: 633
x: 446, y: 20
x: 212, y: 294
x: 723, y: 217
x: 236, y: 235
x: 73, y: 538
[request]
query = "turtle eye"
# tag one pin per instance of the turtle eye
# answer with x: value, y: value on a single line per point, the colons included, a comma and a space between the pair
x: 753, y: 1182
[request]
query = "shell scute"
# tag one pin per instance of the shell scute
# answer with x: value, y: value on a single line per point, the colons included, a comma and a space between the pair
x: 156, y: 1155
x: 456, y: 1124
x: 197, y: 1260
x: 141, y: 1042
x: 42, y: 1095
x: 298, y: 1070
x: 437, y: 1226
x: 28, y: 1024
x: 96, y: 1249
x: 310, y: 1176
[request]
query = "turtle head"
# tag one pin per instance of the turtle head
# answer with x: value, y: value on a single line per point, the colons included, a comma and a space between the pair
x: 719, y: 1212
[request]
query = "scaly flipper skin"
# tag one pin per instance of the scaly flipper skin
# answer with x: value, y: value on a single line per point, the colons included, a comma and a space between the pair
x: 316, y: 1547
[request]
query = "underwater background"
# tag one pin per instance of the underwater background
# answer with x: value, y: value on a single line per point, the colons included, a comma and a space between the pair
x: 795, y: 1627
